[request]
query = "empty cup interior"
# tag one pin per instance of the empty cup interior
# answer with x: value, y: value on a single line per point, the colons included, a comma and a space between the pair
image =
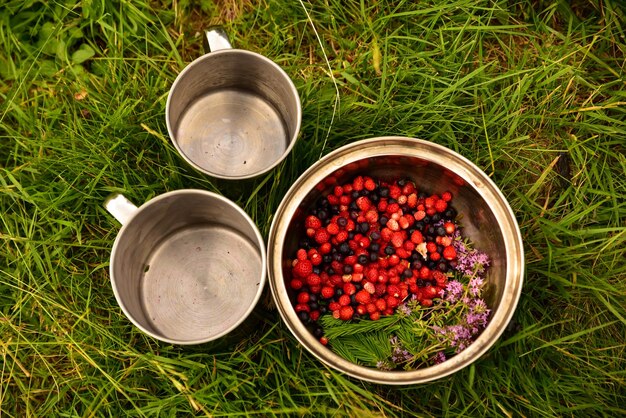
x: 188, y: 267
x: 233, y: 113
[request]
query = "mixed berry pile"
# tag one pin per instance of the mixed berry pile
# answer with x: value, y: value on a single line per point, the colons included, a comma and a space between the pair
x: 369, y: 246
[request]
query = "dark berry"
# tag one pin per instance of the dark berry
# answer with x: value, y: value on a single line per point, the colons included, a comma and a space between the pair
x: 374, y: 246
x: 450, y: 213
x: 347, y: 269
x: 313, y: 305
x: 362, y: 259
x: 375, y: 236
x: 441, y: 231
x: 338, y: 292
x: 344, y: 248
x: 383, y: 192
x: 350, y: 235
x: 442, y: 267
x: 341, y: 221
x: 374, y: 257
x: 419, y: 225
x: 436, y: 217
x: 327, y: 258
x: 389, y: 250
x: 322, y: 214
x: 383, y: 220
x: 304, y: 316
x: 364, y: 227
x: 318, y: 332
x: 407, y: 273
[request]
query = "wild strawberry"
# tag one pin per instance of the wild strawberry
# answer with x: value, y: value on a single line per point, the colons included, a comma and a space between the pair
x: 369, y: 184
x: 429, y: 292
x: 402, y: 199
x: 369, y: 287
x: 360, y: 309
x: 441, y: 205
x: 417, y: 237
x: 446, y: 196
x: 332, y: 228
x: 404, y: 222
x: 435, y: 256
x: 344, y: 300
x: 357, y: 277
x: 371, y: 216
x: 303, y: 297
x: 382, y: 206
x: 338, y: 191
x: 349, y: 289
x: 402, y: 253
x: 431, y: 247
x: 375, y: 316
x: 394, y: 260
x: 332, y: 199
x: 301, y: 254
x: 334, y: 306
x: 341, y: 236
x: 302, y: 268
x: 426, y: 303
x: 302, y: 307
x: 336, y: 314
x: 449, y: 227
x: 393, y: 290
x: 393, y: 225
x: 363, y: 203
x: 397, y: 239
x: 429, y: 202
x: 325, y: 248
x: 419, y: 215
x: 316, y: 258
x: 324, y: 340
x: 327, y: 292
x: 314, y: 315
x: 315, y: 289
x: 392, y: 301
x: 363, y: 297
x: 296, y: 284
x: 358, y: 183
x: 424, y: 273
x: 449, y: 253
x: 345, y: 200
x: 381, y: 305
x: 346, y: 313
x: 394, y: 191
x: 411, y: 200
x: 381, y: 289
x: 313, y: 280
x: 445, y: 241
x: 409, y: 246
x: 385, y: 234
x: 392, y: 208
x: 313, y: 222
x: 321, y: 236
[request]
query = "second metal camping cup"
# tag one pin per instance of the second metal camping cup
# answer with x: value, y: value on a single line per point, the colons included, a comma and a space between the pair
x: 188, y: 266
x: 232, y: 113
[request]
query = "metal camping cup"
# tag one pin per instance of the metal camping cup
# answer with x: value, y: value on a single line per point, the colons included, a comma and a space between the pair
x: 231, y: 113
x: 188, y: 266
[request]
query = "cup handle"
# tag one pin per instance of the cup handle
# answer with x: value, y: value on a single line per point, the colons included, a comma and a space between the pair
x: 120, y: 207
x: 217, y: 39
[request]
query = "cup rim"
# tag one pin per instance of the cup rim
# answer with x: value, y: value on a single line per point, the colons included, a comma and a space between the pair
x: 227, y: 51
x: 381, y: 146
x: 166, y: 195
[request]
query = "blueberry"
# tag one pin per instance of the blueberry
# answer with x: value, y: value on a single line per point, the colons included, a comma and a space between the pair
x: 436, y: 217
x: 389, y: 250
x: 342, y: 222
x: 322, y: 214
x: 362, y: 259
x: 304, y: 316
x: 441, y: 231
x: 344, y: 248
x: 374, y: 246
x: 364, y: 227
x: 318, y: 332
x: 375, y: 236
x: 327, y: 258
x: 373, y: 257
x: 383, y: 191
x: 407, y: 273
x: 383, y: 220
x: 347, y: 269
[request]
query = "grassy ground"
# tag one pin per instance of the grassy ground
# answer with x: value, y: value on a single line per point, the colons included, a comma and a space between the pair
x: 532, y: 91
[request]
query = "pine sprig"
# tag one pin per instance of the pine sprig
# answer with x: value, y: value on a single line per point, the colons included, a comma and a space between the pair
x: 336, y: 328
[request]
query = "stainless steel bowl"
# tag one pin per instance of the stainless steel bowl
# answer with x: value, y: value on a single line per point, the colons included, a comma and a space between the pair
x: 488, y: 221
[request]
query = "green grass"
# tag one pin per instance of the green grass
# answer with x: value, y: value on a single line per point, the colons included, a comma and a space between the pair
x: 534, y: 92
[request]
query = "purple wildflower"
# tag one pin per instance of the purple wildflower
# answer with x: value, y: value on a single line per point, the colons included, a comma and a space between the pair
x: 469, y: 261
x: 439, y: 358
x: 454, y: 290
x: 399, y: 354
x: 404, y: 309
x: 383, y: 365
x: 458, y: 336
x: 475, y: 285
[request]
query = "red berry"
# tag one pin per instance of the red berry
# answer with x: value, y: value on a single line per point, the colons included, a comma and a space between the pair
x: 341, y: 236
x: 314, y: 315
x: 358, y: 183
x: 349, y: 289
x: 296, y: 284
x: 449, y: 253
x: 332, y: 228
x: 411, y: 200
x: 369, y: 184
x: 393, y: 290
x: 313, y: 280
x: 313, y: 222
x: 369, y: 287
x: 321, y: 236
x: 431, y: 247
x: 363, y: 297
x: 371, y: 216
x: 344, y: 300
x: 324, y: 340
x: 417, y: 237
x: 435, y: 256
x: 301, y: 254
x: 303, y: 297
x: 303, y: 268
x: 363, y: 203
x: 327, y: 292
x: 392, y: 301
x: 397, y: 239
x: 441, y: 205
x: 346, y: 313
x: 381, y: 305
x: 375, y: 316
x: 419, y: 215
x: 450, y: 227
x: 446, y: 196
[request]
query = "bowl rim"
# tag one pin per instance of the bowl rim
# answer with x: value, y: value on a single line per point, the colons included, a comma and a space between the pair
x: 432, y: 152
